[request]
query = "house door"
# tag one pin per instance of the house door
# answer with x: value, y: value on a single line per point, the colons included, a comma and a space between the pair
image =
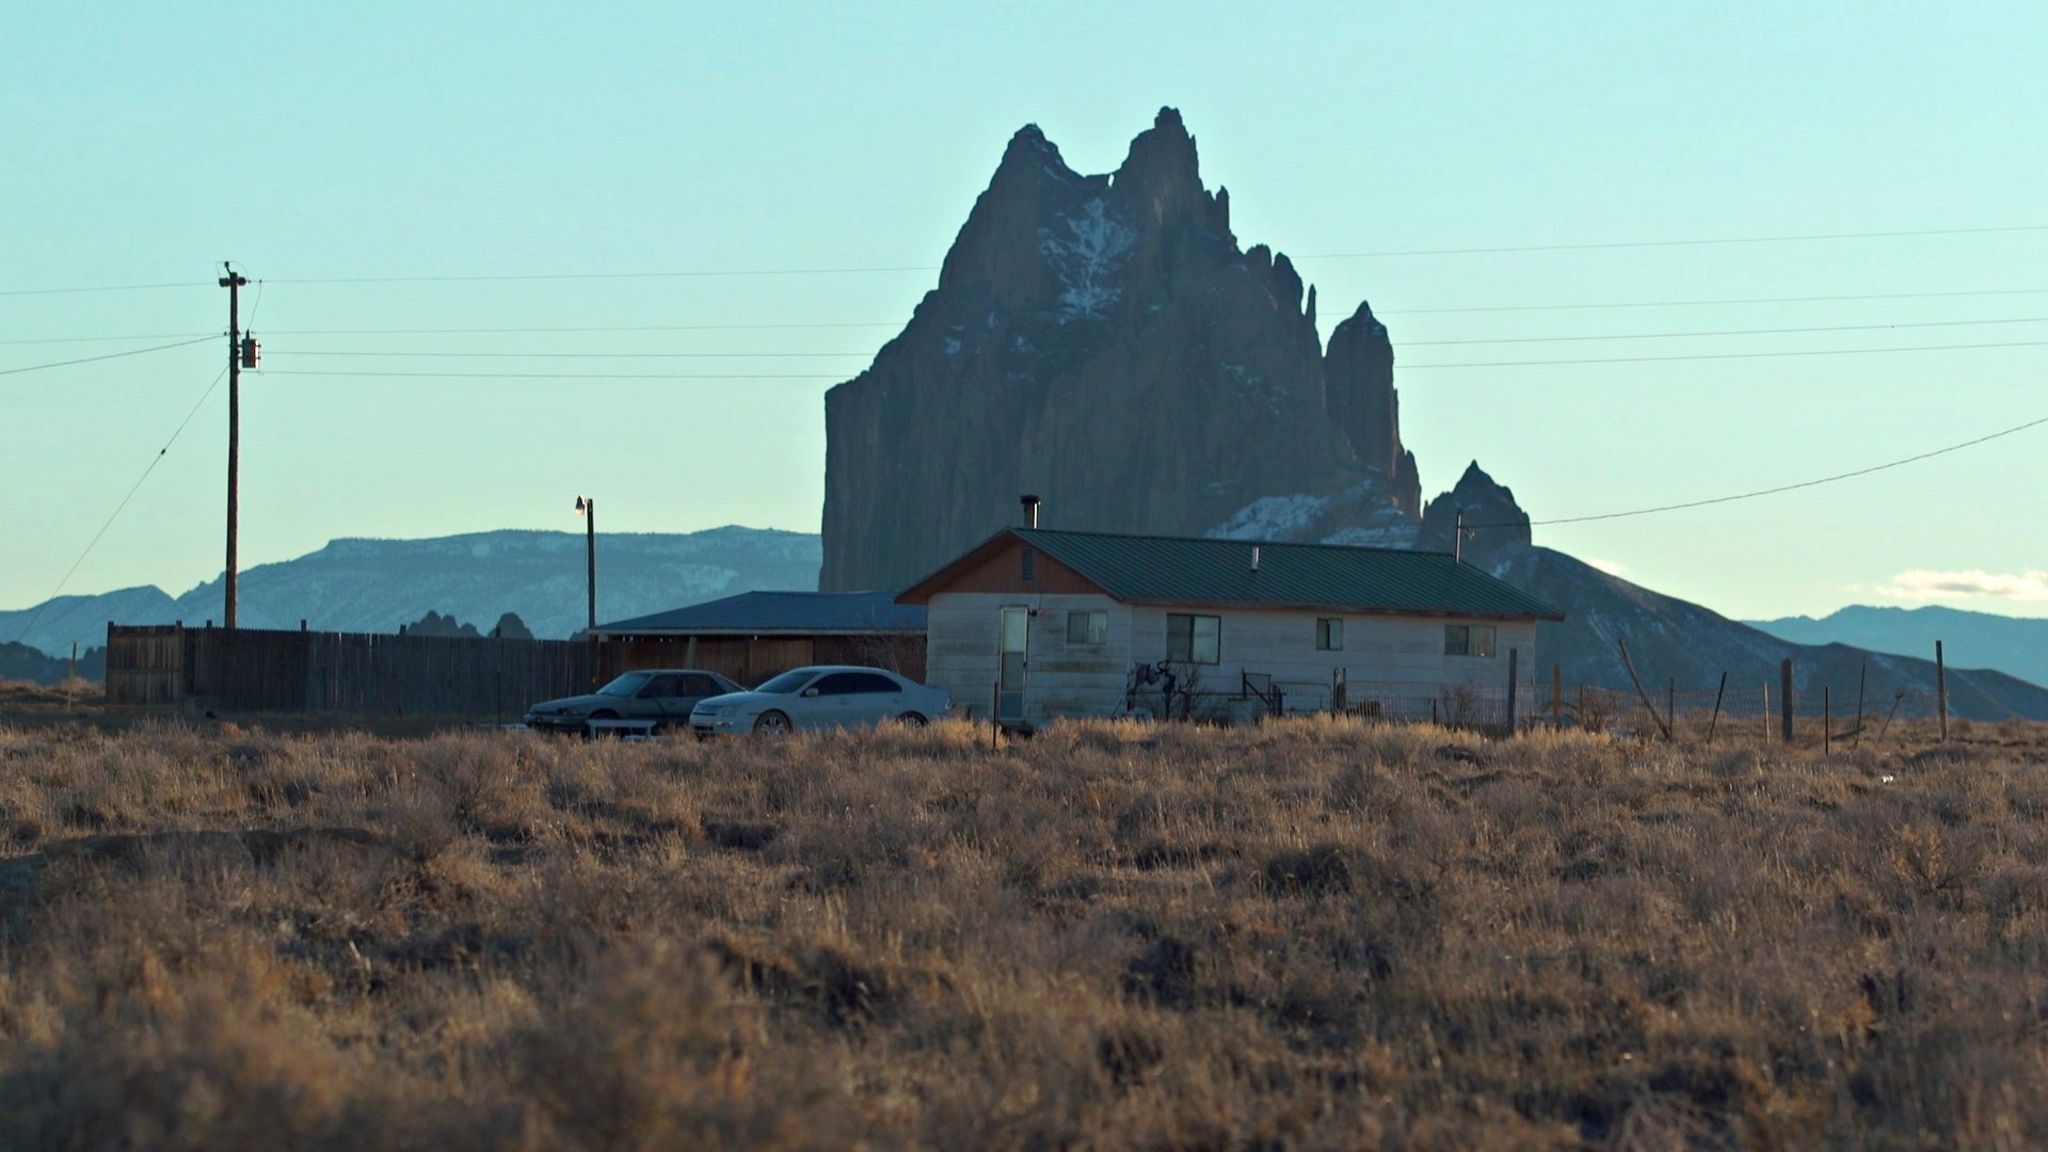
x: 1011, y: 662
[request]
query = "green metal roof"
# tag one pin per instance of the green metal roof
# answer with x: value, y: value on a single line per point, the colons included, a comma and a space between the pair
x: 1188, y: 570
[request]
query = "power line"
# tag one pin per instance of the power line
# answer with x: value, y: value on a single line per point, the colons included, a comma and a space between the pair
x: 605, y: 328
x: 1729, y: 355
x: 886, y: 269
x: 694, y: 273
x: 572, y: 375
x: 1582, y: 307
x: 1717, y: 303
x: 1399, y: 344
x: 99, y: 288
x: 1613, y: 244
x: 1403, y: 343
x: 107, y: 356
x: 118, y: 508
x: 580, y: 355
x: 113, y: 339
x: 1726, y: 332
x: 630, y: 328
x: 1773, y: 491
x: 1411, y: 367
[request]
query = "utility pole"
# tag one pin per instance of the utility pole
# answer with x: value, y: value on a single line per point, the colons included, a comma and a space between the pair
x: 233, y: 282
x: 588, y: 507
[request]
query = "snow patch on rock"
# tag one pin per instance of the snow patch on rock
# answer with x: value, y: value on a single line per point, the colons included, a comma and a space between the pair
x: 1381, y: 536
x: 1271, y: 518
x: 1095, y: 246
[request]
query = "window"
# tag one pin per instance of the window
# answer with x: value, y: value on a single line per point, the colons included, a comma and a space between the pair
x: 1194, y: 639
x: 625, y: 685
x: 837, y: 684
x: 699, y: 684
x: 1329, y: 634
x: 1087, y: 627
x: 856, y: 684
x: 1028, y: 563
x: 663, y: 685
x: 790, y: 681
x: 1468, y: 640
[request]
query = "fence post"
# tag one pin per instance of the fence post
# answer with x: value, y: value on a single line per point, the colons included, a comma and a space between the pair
x: 1767, y: 712
x: 1941, y: 689
x: 1862, y: 679
x: 1641, y: 695
x: 1556, y: 695
x: 1514, y: 658
x: 1785, y: 692
x: 1887, y: 725
x: 1827, y: 720
x: 1718, y: 694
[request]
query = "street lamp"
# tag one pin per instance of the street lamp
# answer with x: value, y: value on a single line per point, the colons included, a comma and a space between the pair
x: 587, y: 508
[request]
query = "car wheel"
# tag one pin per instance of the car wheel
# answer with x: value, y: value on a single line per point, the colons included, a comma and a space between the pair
x: 913, y: 719
x: 772, y: 724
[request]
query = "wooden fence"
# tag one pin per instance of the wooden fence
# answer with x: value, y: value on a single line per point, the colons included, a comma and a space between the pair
x: 360, y: 674
x: 483, y: 679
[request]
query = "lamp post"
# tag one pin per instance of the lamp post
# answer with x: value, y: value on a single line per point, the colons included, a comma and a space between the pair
x: 587, y: 508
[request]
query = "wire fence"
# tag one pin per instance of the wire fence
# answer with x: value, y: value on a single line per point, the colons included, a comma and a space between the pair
x: 1755, y: 713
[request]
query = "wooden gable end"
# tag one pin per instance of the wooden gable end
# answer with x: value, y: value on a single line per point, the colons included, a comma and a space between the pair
x: 997, y: 565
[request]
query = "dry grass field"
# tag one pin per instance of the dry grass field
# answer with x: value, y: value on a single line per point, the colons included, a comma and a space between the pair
x: 1312, y: 934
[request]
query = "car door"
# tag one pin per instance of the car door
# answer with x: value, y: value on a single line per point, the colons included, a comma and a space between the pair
x: 825, y: 703
x: 697, y: 688
x: 657, y: 699
x: 872, y: 698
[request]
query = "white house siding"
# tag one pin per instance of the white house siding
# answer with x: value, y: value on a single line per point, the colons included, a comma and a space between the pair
x: 1060, y: 679
x: 1398, y: 659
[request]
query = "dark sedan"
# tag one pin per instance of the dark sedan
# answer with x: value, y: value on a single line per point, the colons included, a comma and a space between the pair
x: 663, y: 695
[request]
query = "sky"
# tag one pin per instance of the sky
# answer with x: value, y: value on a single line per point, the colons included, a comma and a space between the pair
x: 324, y: 147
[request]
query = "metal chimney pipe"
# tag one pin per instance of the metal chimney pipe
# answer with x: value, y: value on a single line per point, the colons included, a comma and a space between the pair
x: 1030, y: 504
x: 1255, y: 557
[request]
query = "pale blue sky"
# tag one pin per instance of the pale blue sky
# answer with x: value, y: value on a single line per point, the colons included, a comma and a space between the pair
x: 141, y: 144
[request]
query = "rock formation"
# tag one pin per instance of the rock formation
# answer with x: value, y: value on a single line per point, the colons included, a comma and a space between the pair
x: 1104, y: 342
x: 1494, y: 523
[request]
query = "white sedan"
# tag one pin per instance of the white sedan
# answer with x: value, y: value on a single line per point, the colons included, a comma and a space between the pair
x: 832, y: 696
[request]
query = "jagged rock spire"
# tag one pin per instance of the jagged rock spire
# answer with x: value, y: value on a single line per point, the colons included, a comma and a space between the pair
x: 1103, y: 341
x: 1495, y: 520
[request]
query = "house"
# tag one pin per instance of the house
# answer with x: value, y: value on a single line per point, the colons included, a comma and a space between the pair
x: 1034, y: 624
x: 755, y: 635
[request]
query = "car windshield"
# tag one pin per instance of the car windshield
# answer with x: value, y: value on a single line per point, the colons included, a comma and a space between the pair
x: 625, y: 685
x: 788, y: 682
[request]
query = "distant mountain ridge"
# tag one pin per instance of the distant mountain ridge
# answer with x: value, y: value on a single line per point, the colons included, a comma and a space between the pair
x: 2014, y: 645
x: 364, y: 585
x: 378, y: 585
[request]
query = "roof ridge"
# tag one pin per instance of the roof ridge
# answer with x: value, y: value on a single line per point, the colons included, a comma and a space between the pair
x: 1230, y: 540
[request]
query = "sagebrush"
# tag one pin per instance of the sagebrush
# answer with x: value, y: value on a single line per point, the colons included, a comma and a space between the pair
x: 1311, y: 934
